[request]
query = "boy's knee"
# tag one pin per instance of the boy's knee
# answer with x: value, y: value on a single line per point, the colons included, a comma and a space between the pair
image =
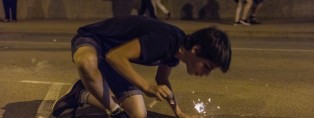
x: 85, y: 56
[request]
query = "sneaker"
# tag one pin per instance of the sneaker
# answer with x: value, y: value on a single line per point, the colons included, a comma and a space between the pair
x: 244, y: 22
x: 6, y: 20
x: 71, y: 100
x: 168, y: 16
x: 119, y: 113
x: 253, y: 20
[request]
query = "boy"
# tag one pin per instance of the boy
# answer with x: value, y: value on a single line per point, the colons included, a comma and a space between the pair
x: 104, y: 51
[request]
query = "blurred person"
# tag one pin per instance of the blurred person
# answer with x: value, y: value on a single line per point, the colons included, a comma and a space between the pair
x: 157, y: 3
x: 147, y: 5
x: 10, y: 10
x: 257, y: 4
x: 242, y: 12
x: 103, y: 53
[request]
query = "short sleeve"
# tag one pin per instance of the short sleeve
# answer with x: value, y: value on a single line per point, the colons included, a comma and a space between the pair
x: 154, y: 47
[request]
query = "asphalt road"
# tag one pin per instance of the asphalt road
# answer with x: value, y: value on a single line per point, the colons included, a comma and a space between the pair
x: 269, y: 78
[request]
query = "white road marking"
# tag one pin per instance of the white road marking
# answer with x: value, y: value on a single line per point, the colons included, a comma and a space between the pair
x: 281, y: 50
x: 43, y: 82
x: 44, y: 109
x: 19, y: 42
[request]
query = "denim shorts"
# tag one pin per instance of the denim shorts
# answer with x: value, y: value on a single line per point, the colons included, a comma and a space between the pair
x: 118, y: 85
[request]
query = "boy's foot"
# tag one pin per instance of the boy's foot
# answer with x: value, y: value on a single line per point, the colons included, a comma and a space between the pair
x: 119, y: 113
x: 70, y: 100
x: 244, y: 22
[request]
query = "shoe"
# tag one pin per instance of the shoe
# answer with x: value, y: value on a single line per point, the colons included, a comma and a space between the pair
x: 253, y: 20
x: 119, y: 113
x: 168, y: 15
x: 5, y: 20
x: 71, y: 100
x: 244, y: 22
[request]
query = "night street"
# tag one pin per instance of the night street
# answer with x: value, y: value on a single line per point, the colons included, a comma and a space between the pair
x: 271, y: 76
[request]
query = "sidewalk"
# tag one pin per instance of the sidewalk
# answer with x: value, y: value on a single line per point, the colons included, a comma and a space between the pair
x: 269, y: 28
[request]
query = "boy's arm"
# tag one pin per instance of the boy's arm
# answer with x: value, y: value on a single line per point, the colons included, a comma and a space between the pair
x: 119, y: 58
x: 162, y: 78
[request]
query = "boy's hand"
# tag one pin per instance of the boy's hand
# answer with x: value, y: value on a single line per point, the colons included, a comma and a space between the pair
x: 159, y: 91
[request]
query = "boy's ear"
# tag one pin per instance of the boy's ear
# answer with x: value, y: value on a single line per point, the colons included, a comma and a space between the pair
x: 196, y: 49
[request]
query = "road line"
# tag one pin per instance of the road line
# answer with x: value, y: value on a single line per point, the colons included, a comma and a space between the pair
x: 281, y: 50
x: 19, y: 42
x: 44, y: 109
x: 44, y: 82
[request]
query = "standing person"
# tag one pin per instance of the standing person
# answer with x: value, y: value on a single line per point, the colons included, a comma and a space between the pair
x: 103, y: 53
x: 147, y: 5
x: 257, y: 4
x: 157, y: 3
x: 9, y: 10
x: 242, y: 12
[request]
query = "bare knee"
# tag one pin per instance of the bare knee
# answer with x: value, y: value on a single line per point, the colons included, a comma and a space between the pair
x: 85, y: 58
x: 135, y: 106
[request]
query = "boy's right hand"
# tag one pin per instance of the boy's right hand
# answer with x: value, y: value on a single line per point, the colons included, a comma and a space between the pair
x: 159, y: 91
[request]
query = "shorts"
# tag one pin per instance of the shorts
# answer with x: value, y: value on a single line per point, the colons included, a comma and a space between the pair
x: 121, y: 88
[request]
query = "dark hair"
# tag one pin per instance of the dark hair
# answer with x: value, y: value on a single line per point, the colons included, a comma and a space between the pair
x: 215, y: 46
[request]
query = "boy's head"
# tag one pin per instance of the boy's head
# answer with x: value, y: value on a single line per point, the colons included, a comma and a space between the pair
x: 209, y: 48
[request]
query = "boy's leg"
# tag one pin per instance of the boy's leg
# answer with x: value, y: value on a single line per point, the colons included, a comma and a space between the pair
x: 86, y: 58
x: 135, y: 106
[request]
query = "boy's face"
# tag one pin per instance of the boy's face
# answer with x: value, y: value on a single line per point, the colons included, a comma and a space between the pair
x: 196, y: 65
x: 199, y: 66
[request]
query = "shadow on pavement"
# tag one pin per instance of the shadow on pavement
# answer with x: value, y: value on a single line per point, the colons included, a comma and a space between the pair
x: 25, y: 109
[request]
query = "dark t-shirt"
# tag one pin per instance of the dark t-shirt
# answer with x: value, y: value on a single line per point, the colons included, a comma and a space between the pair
x: 159, y: 41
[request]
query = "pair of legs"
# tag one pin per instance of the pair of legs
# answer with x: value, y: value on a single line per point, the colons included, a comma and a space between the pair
x: 10, y: 10
x: 100, y: 79
x: 157, y: 3
x: 147, y: 5
x: 257, y: 4
x: 242, y: 12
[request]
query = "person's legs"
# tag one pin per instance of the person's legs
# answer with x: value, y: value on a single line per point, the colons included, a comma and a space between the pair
x: 246, y: 9
x: 162, y: 7
x: 13, y: 10
x: 143, y: 7
x: 86, y: 59
x: 238, y: 11
x: 255, y: 9
x: 6, y: 10
x: 151, y: 9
